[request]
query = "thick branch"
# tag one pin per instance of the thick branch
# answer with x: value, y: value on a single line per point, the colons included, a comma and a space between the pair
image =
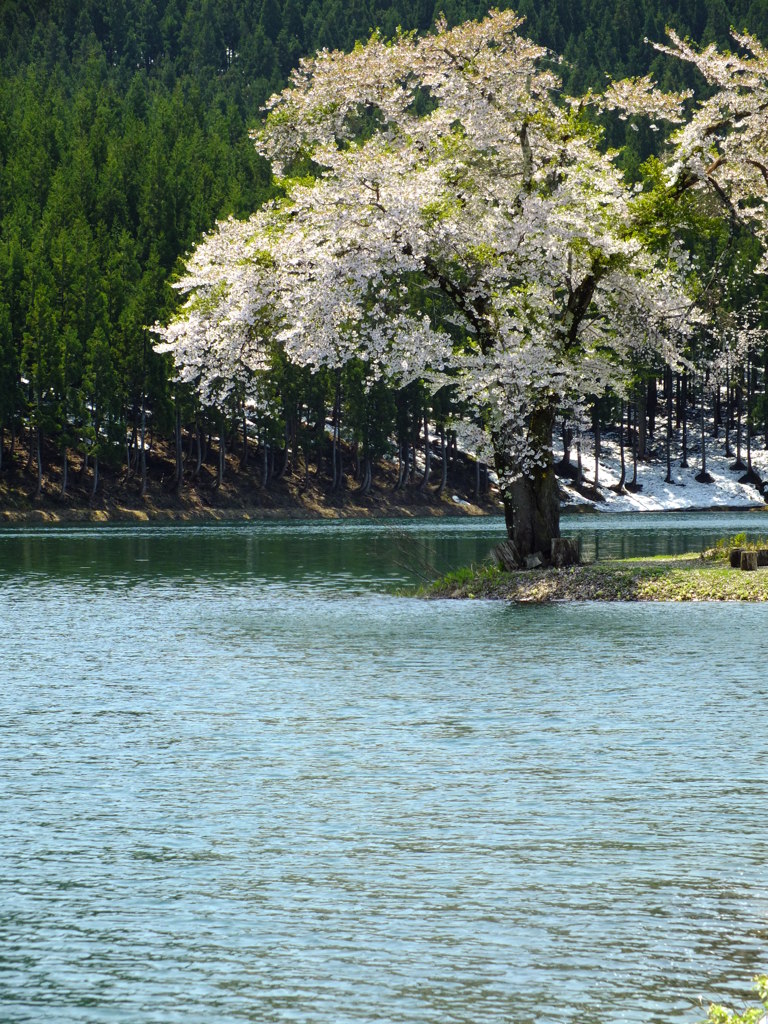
x: 472, y: 310
x: 761, y: 167
x: 578, y: 303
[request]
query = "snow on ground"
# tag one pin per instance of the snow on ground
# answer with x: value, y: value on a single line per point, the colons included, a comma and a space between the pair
x: 685, y: 492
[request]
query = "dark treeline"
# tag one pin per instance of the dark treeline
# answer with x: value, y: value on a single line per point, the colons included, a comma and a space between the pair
x: 123, y: 136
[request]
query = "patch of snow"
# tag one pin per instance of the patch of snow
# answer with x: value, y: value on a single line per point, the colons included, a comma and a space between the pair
x: 684, y: 492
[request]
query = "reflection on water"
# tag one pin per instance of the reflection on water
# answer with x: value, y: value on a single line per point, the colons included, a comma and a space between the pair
x: 242, y: 782
x: 629, y: 535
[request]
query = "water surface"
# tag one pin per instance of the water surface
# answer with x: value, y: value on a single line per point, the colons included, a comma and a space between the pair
x: 242, y: 781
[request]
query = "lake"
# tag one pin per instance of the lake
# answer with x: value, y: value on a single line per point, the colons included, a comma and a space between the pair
x: 243, y: 780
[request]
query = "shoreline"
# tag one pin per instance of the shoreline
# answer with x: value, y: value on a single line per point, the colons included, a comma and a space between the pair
x: 689, y: 577
x: 382, y: 508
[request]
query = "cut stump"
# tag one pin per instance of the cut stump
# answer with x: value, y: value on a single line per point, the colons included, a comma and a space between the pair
x: 565, y: 551
x: 748, y: 561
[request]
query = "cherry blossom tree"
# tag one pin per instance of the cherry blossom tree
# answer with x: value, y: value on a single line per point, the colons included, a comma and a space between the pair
x: 460, y: 225
x: 722, y: 147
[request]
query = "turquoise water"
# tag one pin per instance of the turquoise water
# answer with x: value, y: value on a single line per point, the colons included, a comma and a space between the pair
x: 242, y: 781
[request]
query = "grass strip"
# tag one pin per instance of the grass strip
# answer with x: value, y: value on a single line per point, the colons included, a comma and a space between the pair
x: 664, y: 578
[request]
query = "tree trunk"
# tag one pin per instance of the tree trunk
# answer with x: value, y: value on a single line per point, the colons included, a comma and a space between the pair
x: 532, y: 503
x: 143, y: 455
x: 641, y: 423
x: 596, y: 431
x: 39, y: 457
x: 199, y: 439
x: 750, y: 477
x: 222, y: 450
x: 179, y: 449
x: 668, y: 438
x: 653, y: 405
x: 567, y: 436
x: 683, y: 389
x: 749, y: 417
x: 619, y: 487
x: 678, y: 401
x: 443, y: 463
x: 64, y: 471
x: 703, y: 477
x: 632, y: 418
x: 738, y: 464
x: 365, y: 486
x: 244, y: 459
x: 427, y: 455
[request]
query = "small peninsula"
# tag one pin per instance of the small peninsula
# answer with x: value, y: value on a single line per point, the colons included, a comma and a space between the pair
x: 689, y: 577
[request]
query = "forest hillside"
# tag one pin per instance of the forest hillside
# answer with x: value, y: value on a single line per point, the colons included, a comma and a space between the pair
x: 123, y: 137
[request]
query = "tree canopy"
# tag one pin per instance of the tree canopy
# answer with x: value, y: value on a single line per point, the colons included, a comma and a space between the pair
x: 463, y: 227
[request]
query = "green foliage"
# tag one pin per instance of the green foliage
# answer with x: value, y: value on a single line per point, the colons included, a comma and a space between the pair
x: 750, y: 1015
x: 724, y: 546
x: 123, y: 136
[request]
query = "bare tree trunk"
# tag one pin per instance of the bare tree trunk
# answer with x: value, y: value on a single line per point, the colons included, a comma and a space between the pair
x: 222, y: 451
x: 39, y: 457
x: 749, y: 417
x: 678, y: 402
x: 668, y: 438
x: 143, y: 438
x: 750, y: 477
x: 95, y: 485
x: 728, y: 411
x: 365, y: 483
x: 653, y: 405
x: 632, y: 418
x: 684, y: 417
x: 244, y: 459
x: 641, y: 422
x: 64, y: 471
x: 703, y: 477
x: 179, y: 476
x: 619, y: 487
x: 199, y: 438
x: 596, y: 433
x: 443, y: 463
x: 738, y: 464
x: 567, y: 437
x: 427, y: 455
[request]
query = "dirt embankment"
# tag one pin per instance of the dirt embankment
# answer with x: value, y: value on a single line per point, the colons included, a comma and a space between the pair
x: 297, y: 493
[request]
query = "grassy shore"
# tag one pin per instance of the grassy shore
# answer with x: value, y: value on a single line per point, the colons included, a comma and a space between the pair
x: 666, y: 578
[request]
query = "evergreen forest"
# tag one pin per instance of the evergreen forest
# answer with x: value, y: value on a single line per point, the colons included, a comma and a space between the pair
x: 124, y: 137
